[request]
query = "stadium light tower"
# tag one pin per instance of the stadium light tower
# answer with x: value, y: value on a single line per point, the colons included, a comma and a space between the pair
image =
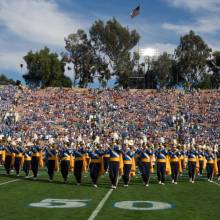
x: 149, y: 54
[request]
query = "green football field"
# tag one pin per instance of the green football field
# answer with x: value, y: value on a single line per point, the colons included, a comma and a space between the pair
x: 27, y: 199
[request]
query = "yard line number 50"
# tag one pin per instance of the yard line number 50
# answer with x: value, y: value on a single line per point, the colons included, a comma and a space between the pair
x: 79, y: 203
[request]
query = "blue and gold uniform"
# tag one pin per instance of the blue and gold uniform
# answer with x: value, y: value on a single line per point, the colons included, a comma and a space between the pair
x: 9, y: 158
x: 2, y: 154
x: 201, y: 156
x: 193, y: 163
x: 218, y: 161
x: 66, y: 162
x: 161, y: 158
x: 210, y: 162
x: 175, y: 163
x: 106, y: 157
x: 27, y: 161
x: 79, y: 163
x: 51, y: 161
x: 145, y: 164
x: 96, y: 165
x: 36, y: 160
x: 19, y: 160
x: 115, y: 165
x: 129, y: 165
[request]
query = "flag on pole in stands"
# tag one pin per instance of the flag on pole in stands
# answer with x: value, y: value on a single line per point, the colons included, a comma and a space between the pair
x: 135, y: 12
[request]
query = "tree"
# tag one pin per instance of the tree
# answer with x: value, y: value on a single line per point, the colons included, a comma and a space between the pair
x: 191, y: 55
x: 214, y: 69
x: 162, y: 67
x: 44, y: 70
x: 80, y: 53
x: 112, y: 44
x: 4, y: 80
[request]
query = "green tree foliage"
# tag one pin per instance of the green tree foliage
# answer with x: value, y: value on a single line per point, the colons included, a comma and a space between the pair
x: 162, y: 67
x: 4, y: 80
x: 44, y: 70
x: 191, y: 55
x: 112, y: 44
x: 214, y: 69
x: 80, y: 53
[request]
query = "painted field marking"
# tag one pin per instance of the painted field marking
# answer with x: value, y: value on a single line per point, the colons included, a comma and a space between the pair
x: 100, y: 205
x: 11, y: 181
x: 60, y: 203
x: 152, y: 205
x: 217, y: 184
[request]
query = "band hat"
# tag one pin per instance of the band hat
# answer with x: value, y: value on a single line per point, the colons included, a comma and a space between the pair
x: 13, y: 143
x: 19, y: 140
x: 162, y: 140
x: 130, y: 142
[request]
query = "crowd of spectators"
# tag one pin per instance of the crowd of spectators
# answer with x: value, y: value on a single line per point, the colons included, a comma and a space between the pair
x: 60, y: 114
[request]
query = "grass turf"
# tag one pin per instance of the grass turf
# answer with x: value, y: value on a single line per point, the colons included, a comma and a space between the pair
x: 199, y: 201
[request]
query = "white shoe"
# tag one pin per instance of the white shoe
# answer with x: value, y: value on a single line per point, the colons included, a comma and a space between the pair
x: 192, y: 181
x: 159, y: 182
x: 208, y: 180
x: 95, y: 185
x: 173, y: 181
x: 163, y: 184
x: 211, y: 181
x: 147, y: 185
x: 125, y: 185
x: 26, y: 177
x: 114, y: 187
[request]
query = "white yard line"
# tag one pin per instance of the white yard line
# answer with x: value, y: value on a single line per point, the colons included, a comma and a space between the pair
x: 11, y: 181
x: 4, y: 183
x: 217, y: 184
x: 100, y: 205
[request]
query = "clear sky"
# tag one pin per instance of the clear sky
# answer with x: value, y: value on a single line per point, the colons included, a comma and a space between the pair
x: 32, y: 24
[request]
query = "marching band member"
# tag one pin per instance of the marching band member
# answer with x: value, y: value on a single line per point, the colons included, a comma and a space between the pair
x: 146, y: 163
x: 19, y: 159
x: 193, y: 163
x: 96, y: 165
x: 106, y: 157
x: 115, y: 165
x: 51, y: 161
x: 218, y: 161
x: 9, y: 157
x: 27, y: 161
x: 183, y: 158
x: 201, y: 156
x: 36, y: 159
x: 210, y: 164
x: 161, y: 159
x: 66, y: 162
x: 129, y: 165
x: 2, y: 151
x: 175, y: 163
x: 80, y: 164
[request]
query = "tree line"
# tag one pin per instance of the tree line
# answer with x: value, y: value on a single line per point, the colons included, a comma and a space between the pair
x: 107, y: 51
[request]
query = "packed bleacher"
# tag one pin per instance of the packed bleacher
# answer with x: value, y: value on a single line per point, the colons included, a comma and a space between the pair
x: 99, y: 115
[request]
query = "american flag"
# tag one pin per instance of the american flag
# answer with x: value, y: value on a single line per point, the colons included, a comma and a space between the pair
x: 135, y: 12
